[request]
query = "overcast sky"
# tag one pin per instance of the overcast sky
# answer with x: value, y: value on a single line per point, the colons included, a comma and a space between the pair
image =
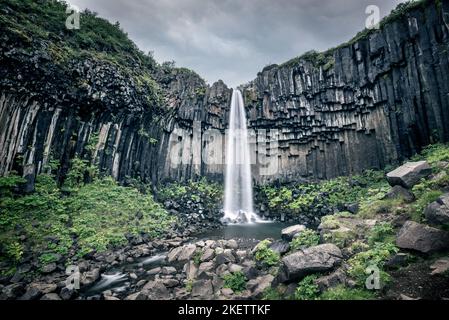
x: 234, y: 39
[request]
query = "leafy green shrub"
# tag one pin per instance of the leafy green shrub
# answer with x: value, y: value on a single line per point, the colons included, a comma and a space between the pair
x: 307, y: 289
x: 235, y: 281
x: 369, y: 209
x: 14, y: 251
x: 307, y: 238
x: 417, y: 208
x: 376, y: 256
x: 265, y: 255
x: 103, y: 212
x: 381, y: 232
x: 271, y: 294
x: 9, y: 183
x: 343, y: 293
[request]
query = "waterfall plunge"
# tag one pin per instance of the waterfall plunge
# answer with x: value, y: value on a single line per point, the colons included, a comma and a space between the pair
x: 238, y: 185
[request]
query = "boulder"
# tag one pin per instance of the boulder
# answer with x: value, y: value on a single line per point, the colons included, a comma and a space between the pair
x: 288, y: 233
x: 225, y: 257
x: 173, y: 254
x: 88, y: 278
x: 49, y: 268
x: 332, y: 280
x: 51, y: 297
x: 208, y: 254
x: 320, y: 258
x: 280, y: 246
x: 422, y: 238
x: 399, y: 192
x: 186, y: 253
x: 258, y: 285
x: 440, y: 267
x: 437, y: 213
x: 155, y: 290
x: 409, y: 174
x: 202, y: 289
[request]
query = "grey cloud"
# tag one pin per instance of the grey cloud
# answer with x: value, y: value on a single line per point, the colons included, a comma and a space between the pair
x: 234, y: 39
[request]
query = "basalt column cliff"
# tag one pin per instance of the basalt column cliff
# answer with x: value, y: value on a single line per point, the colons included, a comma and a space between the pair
x: 366, y: 104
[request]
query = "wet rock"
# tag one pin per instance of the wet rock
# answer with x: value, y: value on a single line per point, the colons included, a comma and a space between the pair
x: 320, y: 258
x: 409, y: 174
x: 31, y: 294
x: 422, y: 238
x: 437, y: 213
x: 288, y: 233
x: 88, y: 278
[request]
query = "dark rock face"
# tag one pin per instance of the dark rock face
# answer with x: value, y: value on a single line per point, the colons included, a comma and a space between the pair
x: 376, y: 101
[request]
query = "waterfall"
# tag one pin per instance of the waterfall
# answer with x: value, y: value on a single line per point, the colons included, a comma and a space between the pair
x: 238, y: 185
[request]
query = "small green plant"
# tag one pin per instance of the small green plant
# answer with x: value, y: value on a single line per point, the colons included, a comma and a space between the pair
x: 376, y: 256
x: 235, y: 281
x: 307, y: 238
x: 381, y: 232
x: 307, y: 289
x: 265, y: 255
x: 14, y: 251
x: 271, y: 294
x: 189, y: 285
x: 197, y: 258
x: 343, y: 293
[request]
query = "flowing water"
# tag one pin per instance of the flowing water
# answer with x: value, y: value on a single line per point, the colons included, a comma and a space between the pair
x: 238, y: 185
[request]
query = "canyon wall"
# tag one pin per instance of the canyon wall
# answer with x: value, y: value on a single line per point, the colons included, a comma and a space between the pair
x: 371, y: 102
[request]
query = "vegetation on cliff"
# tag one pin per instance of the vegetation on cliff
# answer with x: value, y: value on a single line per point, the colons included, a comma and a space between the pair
x: 63, y: 223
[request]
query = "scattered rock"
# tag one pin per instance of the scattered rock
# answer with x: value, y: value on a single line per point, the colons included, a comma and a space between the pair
x: 280, y: 246
x: 186, y: 253
x: 320, y: 258
x: 332, y: 280
x: 409, y: 174
x: 259, y: 285
x: 88, y: 278
x: 208, y: 254
x: 399, y: 192
x: 288, y: 233
x: 422, y: 238
x: 50, y: 296
x: 155, y: 290
x: 440, y: 267
x: 49, y: 268
x: 437, y: 213
x: 203, y: 289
